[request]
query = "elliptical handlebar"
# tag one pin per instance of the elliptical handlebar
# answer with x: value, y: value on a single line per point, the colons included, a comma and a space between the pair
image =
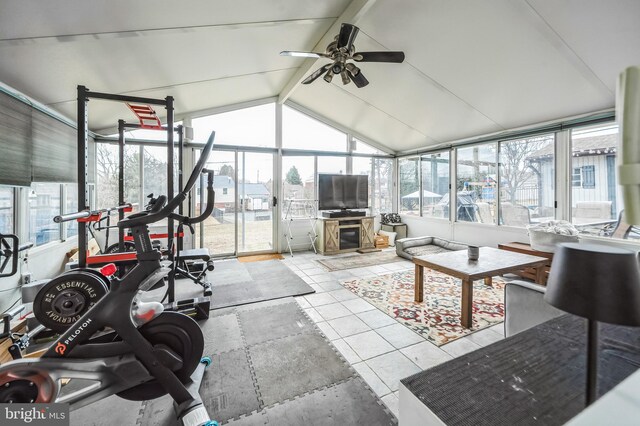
x: 146, y: 218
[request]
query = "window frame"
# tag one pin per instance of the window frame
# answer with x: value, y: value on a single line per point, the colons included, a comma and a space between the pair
x: 588, y: 176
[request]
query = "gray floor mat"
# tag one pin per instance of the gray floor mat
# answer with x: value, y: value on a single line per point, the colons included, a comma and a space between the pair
x: 293, y: 365
x: 274, y: 322
x: 348, y: 403
x: 296, y: 378
x: 227, y: 391
x: 221, y: 334
x: 110, y: 411
x: 284, y: 284
x: 158, y: 412
x: 235, y: 283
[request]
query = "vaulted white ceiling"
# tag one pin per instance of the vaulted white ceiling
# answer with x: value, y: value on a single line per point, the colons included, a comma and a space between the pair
x: 471, y: 67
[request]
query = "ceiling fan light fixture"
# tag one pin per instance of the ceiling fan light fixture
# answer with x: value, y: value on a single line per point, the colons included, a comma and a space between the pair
x: 328, y: 76
x: 353, y: 70
x: 345, y: 77
x: 342, y: 50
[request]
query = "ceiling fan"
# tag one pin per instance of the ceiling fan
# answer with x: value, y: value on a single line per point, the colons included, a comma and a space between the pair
x: 340, y: 51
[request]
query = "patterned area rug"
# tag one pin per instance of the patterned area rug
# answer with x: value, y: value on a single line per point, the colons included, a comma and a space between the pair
x: 359, y: 260
x: 438, y: 318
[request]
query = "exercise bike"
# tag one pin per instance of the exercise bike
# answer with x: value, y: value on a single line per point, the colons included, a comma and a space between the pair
x: 127, y: 347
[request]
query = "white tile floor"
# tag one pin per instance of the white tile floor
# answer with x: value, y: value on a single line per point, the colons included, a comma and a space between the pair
x: 379, y: 348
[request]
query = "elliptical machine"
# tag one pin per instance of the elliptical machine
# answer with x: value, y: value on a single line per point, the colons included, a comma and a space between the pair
x: 127, y: 347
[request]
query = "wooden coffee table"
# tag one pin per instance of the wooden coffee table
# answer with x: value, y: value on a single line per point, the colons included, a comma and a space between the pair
x: 491, y: 262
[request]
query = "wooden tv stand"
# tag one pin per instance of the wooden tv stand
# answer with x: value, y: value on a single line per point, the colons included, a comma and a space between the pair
x: 345, y: 234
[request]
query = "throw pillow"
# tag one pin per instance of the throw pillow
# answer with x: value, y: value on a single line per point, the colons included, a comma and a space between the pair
x: 391, y: 235
x: 386, y: 218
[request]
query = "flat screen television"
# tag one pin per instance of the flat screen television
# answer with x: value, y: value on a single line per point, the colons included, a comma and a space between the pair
x: 341, y: 192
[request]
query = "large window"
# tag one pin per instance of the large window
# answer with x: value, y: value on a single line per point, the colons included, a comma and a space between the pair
x: 476, y: 184
x: 298, y: 177
x: 299, y: 131
x: 380, y: 172
x: 155, y: 171
x: 6, y: 210
x: 527, y: 180
x: 332, y: 165
x: 409, y: 184
x: 44, y: 204
x: 107, y: 171
x: 596, y: 201
x: 254, y: 126
x: 435, y: 185
x: 363, y: 148
x: 71, y: 206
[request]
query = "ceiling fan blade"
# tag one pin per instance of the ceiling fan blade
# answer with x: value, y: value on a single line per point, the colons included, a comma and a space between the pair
x: 359, y: 80
x: 396, y: 57
x: 317, y: 73
x: 301, y: 54
x: 347, y: 35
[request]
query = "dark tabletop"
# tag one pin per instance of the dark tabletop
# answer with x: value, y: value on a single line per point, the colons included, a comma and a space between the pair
x: 536, y: 377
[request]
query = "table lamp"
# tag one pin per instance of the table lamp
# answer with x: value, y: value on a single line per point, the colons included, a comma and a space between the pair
x: 599, y: 283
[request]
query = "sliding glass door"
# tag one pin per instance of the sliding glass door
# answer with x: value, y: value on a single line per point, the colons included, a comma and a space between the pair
x: 242, y: 220
x: 255, y: 202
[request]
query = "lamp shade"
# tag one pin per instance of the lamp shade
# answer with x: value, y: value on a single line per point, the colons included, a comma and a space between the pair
x: 597, y: 282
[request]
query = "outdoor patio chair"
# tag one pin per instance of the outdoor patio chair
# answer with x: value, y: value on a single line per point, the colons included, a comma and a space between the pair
x: 483, y: 212
x: 515, y: 214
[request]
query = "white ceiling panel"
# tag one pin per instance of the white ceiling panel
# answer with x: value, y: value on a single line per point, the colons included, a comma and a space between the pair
x: 188, y: 98
x: 351, y: 112
x: 150, y: 59
x: 498, y: 56
x: 402, y: 91
x: 27, y: 19
x: 604, y: 34
x: 471, y: 67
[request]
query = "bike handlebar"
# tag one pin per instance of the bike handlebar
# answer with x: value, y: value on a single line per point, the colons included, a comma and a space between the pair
x: 146, y: 218
x: 211, y: 196
x: 88, y: 213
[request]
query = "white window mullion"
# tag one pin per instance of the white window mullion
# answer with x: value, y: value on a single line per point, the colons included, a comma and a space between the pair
x: 564, y: 175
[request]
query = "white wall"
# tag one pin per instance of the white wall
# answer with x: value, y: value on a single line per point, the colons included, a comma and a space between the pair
x: 42, y: 262
x: 489, y: 235
x: 468, y: 233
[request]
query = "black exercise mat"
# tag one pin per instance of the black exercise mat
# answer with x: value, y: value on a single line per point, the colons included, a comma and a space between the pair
x: 235, y: 283
x: 271, y: 279
x: 532, y: 378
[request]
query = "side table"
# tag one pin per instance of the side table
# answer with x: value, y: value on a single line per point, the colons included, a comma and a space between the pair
x: 398, y: 228
x: 524, y: 248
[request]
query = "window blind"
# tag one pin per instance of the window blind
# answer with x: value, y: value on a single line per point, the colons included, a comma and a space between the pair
x: 15, y: 149
x: 37, y: 147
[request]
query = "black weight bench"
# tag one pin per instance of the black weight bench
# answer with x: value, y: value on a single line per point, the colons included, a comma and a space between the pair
x: 194, y: 264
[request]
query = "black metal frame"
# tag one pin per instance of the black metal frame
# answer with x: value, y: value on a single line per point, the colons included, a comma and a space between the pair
x: 74, y: 355
x: 122, y: 127
x: 84, y: 95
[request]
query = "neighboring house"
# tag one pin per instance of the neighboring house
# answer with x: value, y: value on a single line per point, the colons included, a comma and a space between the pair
x: 254, y: 196
x: 593, y: 171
